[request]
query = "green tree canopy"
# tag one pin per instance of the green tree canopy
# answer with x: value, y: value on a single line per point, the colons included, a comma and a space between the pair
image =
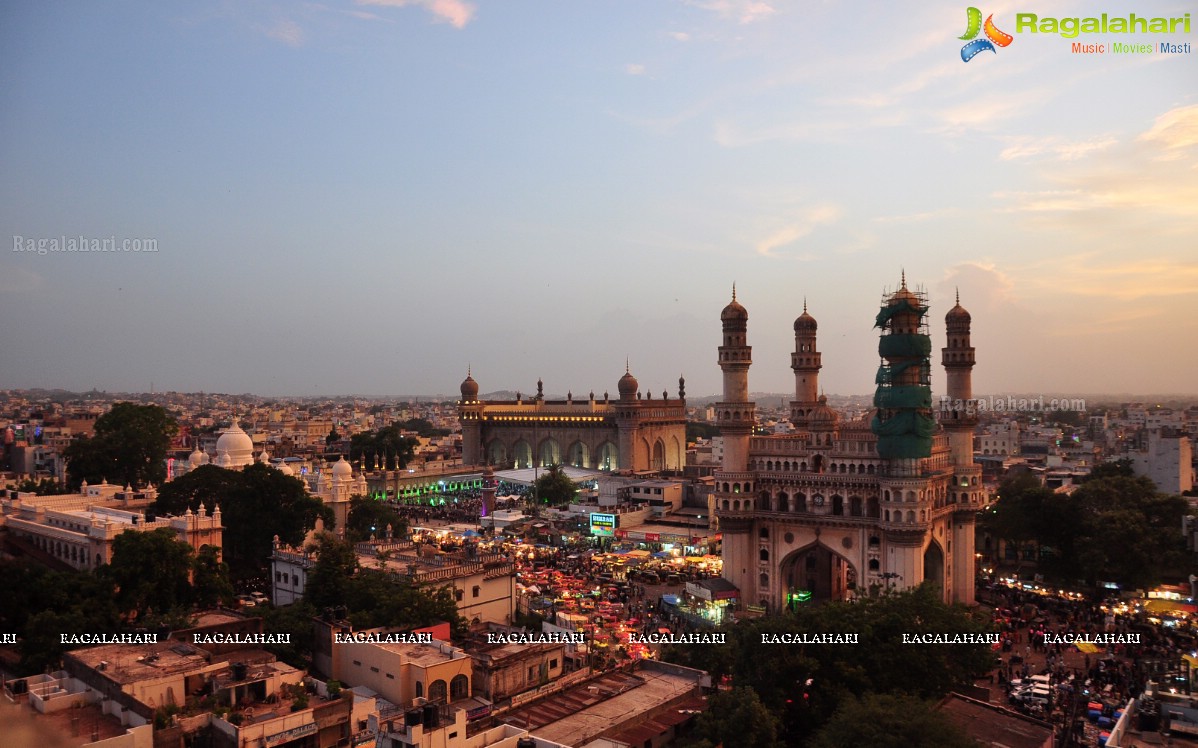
x: 736, y: 717
x: 129, y: 447
x: 804, y: 685
x: 210, y: 579
x: 150, y: 571
x: 370, y: 517
x: 890, y: 721
x: 386, y: 448
x: 554, y: 487
x: 256, y: 504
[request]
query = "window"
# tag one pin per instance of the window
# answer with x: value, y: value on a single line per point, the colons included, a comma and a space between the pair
x: 374, y: 670
x: 358, y: 663
x: 477, y: 589
x: 553, y: 663
x: 532, y: 672
x: 389, y: 675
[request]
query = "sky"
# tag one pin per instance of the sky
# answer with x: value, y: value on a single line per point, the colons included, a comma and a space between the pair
x: 374, y: 196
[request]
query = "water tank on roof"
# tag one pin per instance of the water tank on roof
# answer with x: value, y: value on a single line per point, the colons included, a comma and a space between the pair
x: 526, y: 743
x: 412, y: 717
x: 432, y: 717
x: 239, y: 670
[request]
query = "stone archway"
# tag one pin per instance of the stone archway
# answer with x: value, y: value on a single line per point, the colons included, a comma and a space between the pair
x: 818, y: 570
x: 608, y: 457
x: 522, y: 454
x: 578, y: 455
x: 933, y: 564
x: 497, y: 453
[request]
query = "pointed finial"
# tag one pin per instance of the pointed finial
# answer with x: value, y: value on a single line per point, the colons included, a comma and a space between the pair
x: 958, y: 296
x: 626, y: 369
x: 468, y: 371
x: 904, y: 277
x: 734, y: 290
x: 804, y: 305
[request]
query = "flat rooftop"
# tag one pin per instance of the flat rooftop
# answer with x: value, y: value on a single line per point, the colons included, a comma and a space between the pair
x: 586, y: 711
x: 424, y: 655
x: 132, y: 663
x: 994, y: 725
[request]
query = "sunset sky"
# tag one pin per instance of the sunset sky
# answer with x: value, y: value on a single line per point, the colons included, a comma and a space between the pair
x: 369, y: 197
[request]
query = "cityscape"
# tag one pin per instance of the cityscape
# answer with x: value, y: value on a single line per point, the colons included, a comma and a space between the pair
x: 690, y: 374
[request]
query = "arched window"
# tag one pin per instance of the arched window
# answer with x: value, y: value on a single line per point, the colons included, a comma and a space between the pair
x: 874, y: 542
x: 874, y: 565
x: 838, y: 506
x: 459, y: 687
x: 764, y: 554
x: 764, y: 580
x: 436, y: 691
x: 854, y: 506
x: 419, y: 689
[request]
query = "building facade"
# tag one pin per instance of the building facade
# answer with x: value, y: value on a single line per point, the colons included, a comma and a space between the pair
x: 634, y: 432
x: 888, y: 500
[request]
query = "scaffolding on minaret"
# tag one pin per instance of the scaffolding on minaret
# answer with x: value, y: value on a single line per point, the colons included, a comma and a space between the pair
x: 904, y: 422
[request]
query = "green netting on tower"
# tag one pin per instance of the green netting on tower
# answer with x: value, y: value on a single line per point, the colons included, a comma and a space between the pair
x: 887, y: 374
x: 913, y: 345
x: 905, y: 435
x: 905, y: 396
x: 904, y: 423
x: 903, y: 305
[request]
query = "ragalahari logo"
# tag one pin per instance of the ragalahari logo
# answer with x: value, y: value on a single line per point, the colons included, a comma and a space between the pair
x: 993, y: 34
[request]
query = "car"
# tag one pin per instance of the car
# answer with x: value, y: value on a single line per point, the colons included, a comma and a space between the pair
x: 260, y: 598
x: 246, y: 601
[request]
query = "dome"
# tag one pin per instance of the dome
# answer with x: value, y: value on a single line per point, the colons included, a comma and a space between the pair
x: 284, y: 468
x: 628, y: 385
x: 734, y: 312
x: 342, y: 469
x: 805, y: 322
x: 197, y: 458
x: 237, y: 446
x: 469, y: 389
x: 823, y: 416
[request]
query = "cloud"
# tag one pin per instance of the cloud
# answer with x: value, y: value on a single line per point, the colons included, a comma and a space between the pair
x: 810, y: 219
x: 1109, y: 191
x: 633, y: 68
x: 916, y: 217
x: 457, y: 13
x: 680, y: 36
x: 1175, y: 129
x: 1023, y: 147
x: 17, y: 280
x: 742, y: 11
x: 288, y: 32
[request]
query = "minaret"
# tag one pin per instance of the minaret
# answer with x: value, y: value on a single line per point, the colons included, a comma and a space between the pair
x: 470, y: 412
x: 806, y: 363
x: 736, y: 414
x: 957, y: 413
x: 959, y: 417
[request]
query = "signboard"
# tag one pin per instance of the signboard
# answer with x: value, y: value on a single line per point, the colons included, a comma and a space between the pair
x: 603, y: 525
x: 289, y: 735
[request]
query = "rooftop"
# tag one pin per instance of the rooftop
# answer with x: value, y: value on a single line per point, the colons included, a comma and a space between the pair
x: 587, y: 710
x: 994, y: 725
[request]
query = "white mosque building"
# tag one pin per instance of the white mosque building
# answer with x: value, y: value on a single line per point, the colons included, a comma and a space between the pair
x: 335, y: 487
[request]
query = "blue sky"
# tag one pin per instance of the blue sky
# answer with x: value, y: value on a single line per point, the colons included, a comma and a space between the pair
x: 368, y: 197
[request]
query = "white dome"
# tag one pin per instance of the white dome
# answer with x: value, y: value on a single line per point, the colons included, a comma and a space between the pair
x: 237, y: 445
x: 197, y: 458
x: 342, y: 469
x: 284, y: 468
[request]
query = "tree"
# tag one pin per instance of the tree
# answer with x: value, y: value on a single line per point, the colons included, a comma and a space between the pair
x: 332, y: 573
x: 371, y: 517
x: 129, y: 447
x: 333, y: 436
x: 210, y: 579
x: 150, y: 571
x: 890, y: 721
x: 804, y: 685
x: 554, y: 487
x: 43, y: 487
x: 256, y: 503
x: 385, y: 448
x: 736, y: 717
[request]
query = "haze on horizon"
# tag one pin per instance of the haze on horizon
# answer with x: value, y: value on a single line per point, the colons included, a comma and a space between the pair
x: 372, y: 196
